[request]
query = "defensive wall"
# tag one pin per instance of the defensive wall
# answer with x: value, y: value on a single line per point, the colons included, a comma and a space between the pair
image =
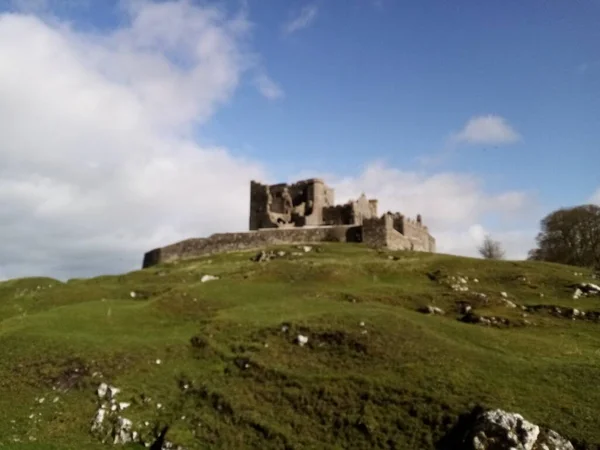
x: 304, y: 213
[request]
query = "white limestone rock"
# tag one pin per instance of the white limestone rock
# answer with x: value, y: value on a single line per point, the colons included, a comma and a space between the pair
x: 501, y: 430
x: 99, y: 419
x: 302, y: 340
x: 102, y: 390
x: 206, y: 278
x: 123, y: 432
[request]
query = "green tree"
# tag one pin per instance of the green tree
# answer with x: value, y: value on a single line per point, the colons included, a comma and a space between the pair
x: 570, y: 236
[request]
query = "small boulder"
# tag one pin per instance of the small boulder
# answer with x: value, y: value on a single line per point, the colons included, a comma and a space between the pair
x: 112, y: 392
x: 102, y: 390
x: 206, y: 278
x: 98, y: 419
x: 261, y: 256
x: 497, y: 430
x: 509, y: 304
x: 302, y: 340
x: 123, y: 432
x: 431, y: 310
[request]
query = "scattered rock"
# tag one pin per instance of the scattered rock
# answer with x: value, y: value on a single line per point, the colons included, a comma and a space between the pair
x: 464, y: 307
x: 431, y: 310
x: 102, y: 390
x: 261, y: 256
x: 307, y: 248
x: 158, y: 361
x: 504, y: 294
x: 123, y: 432
x: 509, y: 303
x: 132, y: 294
x: 473, y: 318
x: 475, y: 280
x: 206, y: 278
x: 460, y: 287
x: 281, y: 253
x: 242, y: 363
x: 98, y: 419
x: 301, y: 340
x: 587, y: 288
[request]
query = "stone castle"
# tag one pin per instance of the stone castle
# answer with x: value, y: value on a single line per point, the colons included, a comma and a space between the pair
x: 303, y: 213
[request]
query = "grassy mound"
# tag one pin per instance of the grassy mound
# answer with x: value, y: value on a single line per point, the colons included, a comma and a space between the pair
x: 218, y: 362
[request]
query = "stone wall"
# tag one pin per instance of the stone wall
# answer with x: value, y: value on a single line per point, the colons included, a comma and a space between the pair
x: 374, y: 231
x: 385, y: 232
x: 338, y: 215
x: 229, y: 242
x: 259, y: 213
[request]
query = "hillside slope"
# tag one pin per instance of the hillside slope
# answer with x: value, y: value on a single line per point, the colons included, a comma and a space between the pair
x: 218, y: 362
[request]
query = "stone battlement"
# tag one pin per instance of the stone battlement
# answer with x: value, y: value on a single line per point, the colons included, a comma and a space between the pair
x: 304, y: 212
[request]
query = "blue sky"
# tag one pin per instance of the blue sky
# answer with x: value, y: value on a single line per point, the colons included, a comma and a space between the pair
x: 483, y: 115
x: 393, y: 82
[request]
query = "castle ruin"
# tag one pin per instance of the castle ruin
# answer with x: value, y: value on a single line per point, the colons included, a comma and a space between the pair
x: 303, y: 213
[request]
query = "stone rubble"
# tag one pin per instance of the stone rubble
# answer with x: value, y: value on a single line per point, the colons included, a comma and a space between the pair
x: 107, y: 422
x: 583, y: 289
x: 473, y: 318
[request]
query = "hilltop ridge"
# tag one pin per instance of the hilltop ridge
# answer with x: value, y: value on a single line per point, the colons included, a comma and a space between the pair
x: 209, y: 350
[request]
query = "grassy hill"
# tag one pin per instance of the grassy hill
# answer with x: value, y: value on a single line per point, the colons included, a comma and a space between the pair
x: 218, y: 362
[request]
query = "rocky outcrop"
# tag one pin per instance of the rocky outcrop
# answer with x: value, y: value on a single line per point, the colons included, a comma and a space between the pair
x: 501, y: 430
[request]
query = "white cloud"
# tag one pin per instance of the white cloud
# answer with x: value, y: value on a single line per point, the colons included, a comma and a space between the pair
x: 486, y: 130
x: 96, y: 162
x: 453, y: 206
x: 305, y: 18
x: 267, y: 87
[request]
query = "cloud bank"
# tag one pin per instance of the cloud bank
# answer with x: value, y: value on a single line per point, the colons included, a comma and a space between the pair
x: 98, y: 161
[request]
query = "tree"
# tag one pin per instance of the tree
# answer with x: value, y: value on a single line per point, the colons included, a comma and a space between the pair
x: 491, y: 249
x: 570, y: 236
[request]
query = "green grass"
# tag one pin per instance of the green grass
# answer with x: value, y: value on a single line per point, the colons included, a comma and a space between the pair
x: 398, y: 382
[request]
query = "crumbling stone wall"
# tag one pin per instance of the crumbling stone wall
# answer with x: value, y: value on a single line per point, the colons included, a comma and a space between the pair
x: 229, y: 242
x: 304, y: 212
x: 281, y: 205
x: 396, y: 232
x: 375, y: 231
